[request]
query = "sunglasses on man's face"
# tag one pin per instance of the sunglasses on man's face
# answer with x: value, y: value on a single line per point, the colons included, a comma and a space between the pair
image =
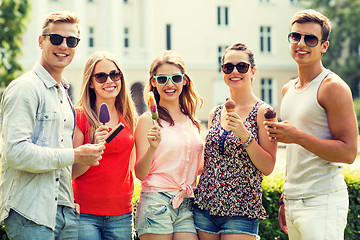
x: 101, y: 77
x: 175, y: 78
x: 57, y: 39
x: 309, y: 39
x: 241, y: 67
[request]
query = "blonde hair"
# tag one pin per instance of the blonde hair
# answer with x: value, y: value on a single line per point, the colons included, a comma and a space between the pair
x: 188, y: 99
x: 123, y: 103
x: 60, y: 17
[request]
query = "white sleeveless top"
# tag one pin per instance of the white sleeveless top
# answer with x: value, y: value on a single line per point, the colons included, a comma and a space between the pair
x: 307, y: 174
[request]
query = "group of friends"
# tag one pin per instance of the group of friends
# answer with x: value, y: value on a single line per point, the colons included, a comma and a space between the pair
x: 61, y: 180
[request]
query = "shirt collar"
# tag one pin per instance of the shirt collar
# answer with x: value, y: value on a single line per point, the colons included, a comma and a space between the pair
x: 47, y: 79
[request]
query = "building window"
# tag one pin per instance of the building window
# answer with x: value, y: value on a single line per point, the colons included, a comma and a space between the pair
x: 221, y: 50
x: 168, y: 36
x: 265, y: 39
x: 91, y: 37
x: 223, y: 16
x: 126, y: 37
x: 267, y: 86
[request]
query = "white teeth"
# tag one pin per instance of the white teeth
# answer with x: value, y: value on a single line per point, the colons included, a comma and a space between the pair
x: 109, y: 88
x: 302, y: 52
x: 235, y: 79
x: 60, y: 54
x: 169, y: 91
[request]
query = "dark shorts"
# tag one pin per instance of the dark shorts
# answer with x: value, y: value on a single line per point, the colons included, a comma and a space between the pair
x: 225, y: 225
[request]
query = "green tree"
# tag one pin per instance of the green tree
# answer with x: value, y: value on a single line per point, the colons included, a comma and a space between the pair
x: 13, y: 16
x: 343, y: 55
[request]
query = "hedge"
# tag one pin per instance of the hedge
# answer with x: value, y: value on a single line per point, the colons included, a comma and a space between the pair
x: 272, y: 188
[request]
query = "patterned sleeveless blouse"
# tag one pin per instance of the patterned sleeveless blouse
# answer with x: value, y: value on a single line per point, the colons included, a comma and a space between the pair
x: 230, y: 184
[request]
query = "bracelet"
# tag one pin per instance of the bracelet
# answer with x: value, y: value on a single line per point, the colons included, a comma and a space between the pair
x: 247, y: 143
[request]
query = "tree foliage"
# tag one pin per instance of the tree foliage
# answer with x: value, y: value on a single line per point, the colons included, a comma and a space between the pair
x: 343, y: 55
x: 13, y: 16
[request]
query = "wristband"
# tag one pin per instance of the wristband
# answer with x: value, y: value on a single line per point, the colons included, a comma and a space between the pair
x: 247, y: 143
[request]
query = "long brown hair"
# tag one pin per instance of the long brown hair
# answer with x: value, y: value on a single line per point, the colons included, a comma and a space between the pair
x: 123, y: 103
x: 188, y: 99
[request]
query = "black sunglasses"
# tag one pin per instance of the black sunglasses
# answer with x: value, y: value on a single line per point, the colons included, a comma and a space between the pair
x: 242, y: 67
x: 101, y: 77
x: 309, y: 39
x: 57, y: 39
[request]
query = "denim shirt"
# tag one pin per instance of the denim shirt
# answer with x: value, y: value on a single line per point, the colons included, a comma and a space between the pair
x: 33, y: 155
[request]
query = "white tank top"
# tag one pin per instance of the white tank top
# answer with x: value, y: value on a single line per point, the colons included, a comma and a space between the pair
x: 307, y: 174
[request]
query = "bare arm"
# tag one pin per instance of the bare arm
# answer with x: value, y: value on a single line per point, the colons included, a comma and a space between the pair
x: 262, y: 154
x: 78, y: 170
x: 89, y: 154
x: 335, y: 97
x: 201, y: 168
x: 147, y: 139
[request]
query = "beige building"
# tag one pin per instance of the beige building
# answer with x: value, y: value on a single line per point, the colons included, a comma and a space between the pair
x: 199, y: 30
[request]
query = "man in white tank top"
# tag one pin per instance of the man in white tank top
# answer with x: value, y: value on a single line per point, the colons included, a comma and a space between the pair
x: 320, y: 129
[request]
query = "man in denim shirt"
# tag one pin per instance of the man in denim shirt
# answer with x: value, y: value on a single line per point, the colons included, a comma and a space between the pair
x: 37, y: 123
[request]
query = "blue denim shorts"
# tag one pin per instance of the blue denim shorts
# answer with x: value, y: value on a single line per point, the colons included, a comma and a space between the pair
x: 225, y: 225
x: 155, y: 214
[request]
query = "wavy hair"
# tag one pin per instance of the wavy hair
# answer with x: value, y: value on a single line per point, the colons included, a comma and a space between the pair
x: 123, y: 103
x: 188, y: 99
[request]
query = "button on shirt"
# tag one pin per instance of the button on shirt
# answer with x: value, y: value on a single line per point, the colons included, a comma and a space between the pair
x: 37, y: 153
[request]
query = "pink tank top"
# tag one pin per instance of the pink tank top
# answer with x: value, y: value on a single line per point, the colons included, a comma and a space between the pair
x: 176, y: 161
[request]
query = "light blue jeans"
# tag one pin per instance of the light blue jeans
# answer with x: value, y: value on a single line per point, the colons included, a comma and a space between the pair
x: 18, y: 227
x: 97, y: 227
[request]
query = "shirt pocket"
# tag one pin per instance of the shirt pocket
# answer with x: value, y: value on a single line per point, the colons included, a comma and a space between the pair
x: 45, y: 128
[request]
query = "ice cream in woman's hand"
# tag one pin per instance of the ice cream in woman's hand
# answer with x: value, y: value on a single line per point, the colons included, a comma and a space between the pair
x: 152, y: 106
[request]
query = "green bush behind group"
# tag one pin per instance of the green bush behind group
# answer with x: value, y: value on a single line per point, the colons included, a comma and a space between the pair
x: 272, y: 188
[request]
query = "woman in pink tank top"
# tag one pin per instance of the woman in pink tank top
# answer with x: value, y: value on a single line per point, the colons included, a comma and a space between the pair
x: 169, y: 151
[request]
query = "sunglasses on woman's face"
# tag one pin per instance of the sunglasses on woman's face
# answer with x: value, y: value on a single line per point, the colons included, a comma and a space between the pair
x: 241, y: 67
x: 57, y: 39
x: 309, y: 39
x: 175, y: 78
x: 101, y: 77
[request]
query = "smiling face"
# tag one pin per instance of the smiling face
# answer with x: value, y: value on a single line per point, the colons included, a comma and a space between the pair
x: 169, y: 91
x: 56, y: 58
x: 109, y: 89
x: 303, y: 54
x: 236, y: 79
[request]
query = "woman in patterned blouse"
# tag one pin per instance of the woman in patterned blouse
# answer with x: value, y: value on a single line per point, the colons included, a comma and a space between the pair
x: 228, y: 197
